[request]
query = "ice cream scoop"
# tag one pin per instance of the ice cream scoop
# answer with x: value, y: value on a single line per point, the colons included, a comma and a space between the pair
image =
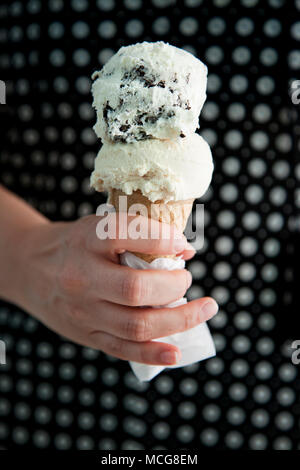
x: 168, y: 170
x: 149, y: 90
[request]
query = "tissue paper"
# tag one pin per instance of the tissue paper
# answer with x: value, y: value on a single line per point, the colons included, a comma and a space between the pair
x: 195, y: 344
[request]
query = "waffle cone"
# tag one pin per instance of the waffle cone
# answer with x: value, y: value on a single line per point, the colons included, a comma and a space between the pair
x: 172, y: 212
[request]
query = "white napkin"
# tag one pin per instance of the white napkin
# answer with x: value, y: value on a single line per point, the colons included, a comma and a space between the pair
x: 195, y: 344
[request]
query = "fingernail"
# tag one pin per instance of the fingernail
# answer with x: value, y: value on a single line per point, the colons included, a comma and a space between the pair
x: 189, y: 247
x: 179, y: 244
x: 169, y: 357
x: 189, y: 279
x: 210, y: 308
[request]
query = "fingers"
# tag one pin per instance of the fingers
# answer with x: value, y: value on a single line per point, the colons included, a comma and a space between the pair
x: 139, y: 234
x: 146, y: 324
x: 133, y: 287
x: 188, y: 253
x: 153, y: 353
x: 129, y: 338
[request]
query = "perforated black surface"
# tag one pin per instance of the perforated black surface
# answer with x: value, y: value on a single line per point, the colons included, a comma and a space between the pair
x: 54, y: 394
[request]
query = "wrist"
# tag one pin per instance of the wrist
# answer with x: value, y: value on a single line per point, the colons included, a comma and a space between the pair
x: 14, y: 279
x: 41, y: 260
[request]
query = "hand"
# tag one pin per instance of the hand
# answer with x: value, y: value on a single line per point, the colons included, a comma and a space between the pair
x: 73, y: 283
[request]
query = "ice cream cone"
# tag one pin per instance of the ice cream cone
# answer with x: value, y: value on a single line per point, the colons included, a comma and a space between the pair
x: 172, y: 212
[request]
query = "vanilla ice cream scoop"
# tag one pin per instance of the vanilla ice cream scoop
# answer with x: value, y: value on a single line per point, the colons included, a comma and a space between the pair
x: 149, y: 91
x: 168, y: 170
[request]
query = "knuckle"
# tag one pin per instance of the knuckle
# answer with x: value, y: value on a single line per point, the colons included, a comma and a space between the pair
x: 116, y: 348
x: 190, y: 317
x: 111, y: 243
x: 183, y: 282
x: 117, y: 229
x: 71, y: 281
x: 139, y: 329
x: 135, y: 290
x: 76, y: 314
